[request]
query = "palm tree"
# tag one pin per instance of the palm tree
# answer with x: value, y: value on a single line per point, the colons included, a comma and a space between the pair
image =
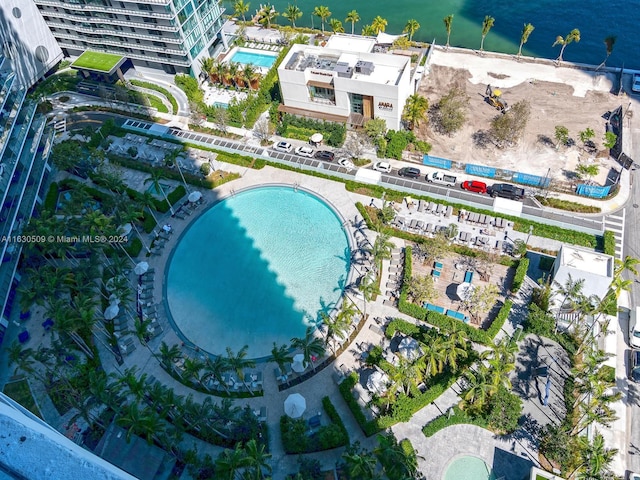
x: 322, y: 12
x: 238, y: 362
x: 628, y: 264
x: 618, y: 285
x: 352, y: 17
x: 215, y: 369
x: 292, y: 13
x: 336, y: 25
x: 154, y: 179
x: 145, y: 423
x: 240, y: 7
x: 478, y: 389
x: 360, y: 464
x: 256, y: 459
x: 381, y: 249
x: 281, y: 356
x: 368, y: 31
x: 448, y: 21
x: 268, y: 14
x: 453, y: 350
x: 250, y: 75
x: 524, y: 37
x: 434, y: 357
x: 191, y: 370
x: 595, y: 458
x: 336, y: 328
x: 415, y: 110
x: 229, y: 463
x: 487, y: 23
x: 397, y: 462
x: 169, y: 355
x: 572, y: 36
x: 378, y: 25
x: 609, y: 42
x: 311, y: 346
x: 206, y: 65
x: 369, y: 288
x: 219, y: 71
x: 571, y: 290
x: 411, y: 27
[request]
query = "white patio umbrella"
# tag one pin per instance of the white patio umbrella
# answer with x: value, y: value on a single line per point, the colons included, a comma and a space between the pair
x: 409, y: 348
x: 113, y: 299
x: 295, y: 405
x: 112, y: 311
x: 298, y: 363
x: 317, y: 138
x: 194, y: 196
x: 377, y: 382
x: 465, y: 290
x: 125, y: 229
x: 141, y: 268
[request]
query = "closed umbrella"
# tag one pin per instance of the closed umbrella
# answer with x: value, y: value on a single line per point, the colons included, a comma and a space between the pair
x: 295, y: 405
x: 194, y: 196
x: 141, y: 268
x: 409, y: 348
x: 112, y: 311
x: 298, y: 363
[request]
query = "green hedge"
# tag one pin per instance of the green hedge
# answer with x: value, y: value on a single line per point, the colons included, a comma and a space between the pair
x: 51, y: 200
x: 335, y: 418
x: 609, y: 242
x: 302, y: 128
x: 190, y: 87
x: 134, y: 248
x: 157, y: 88
x: 368, y: 427
x: 521, y: 272
x: 156, y: 103
x: 443, y: 421
x: 402, y: 326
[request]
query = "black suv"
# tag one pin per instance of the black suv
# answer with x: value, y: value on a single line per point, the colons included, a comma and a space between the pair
x: 324, y: 155
x: 410, y: 172
x: 634, y: 365
x: 506, y: 190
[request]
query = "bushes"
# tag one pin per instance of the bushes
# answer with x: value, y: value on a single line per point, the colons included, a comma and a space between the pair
x: 498, y: 322
x: 294, y: 435
x: 609, y: 241
x: 51, y: 200
x: 521, y: 272
x: 567, y: 205
x: 443, y: 421
x: 133, y: 249
x: 157, y: 88
x: 402, y: 326
x: 394, y: 143
x: 302, y: 128
x: 345, y: 387
x: 332, y: 413
x: 190, y: 87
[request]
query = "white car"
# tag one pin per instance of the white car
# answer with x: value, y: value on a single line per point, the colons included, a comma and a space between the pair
x: 634, y: 476
x: 383, y: 167
x: 347, y: 164
x: 305, y: 151
x: 635, y: 86
x: 285, y: 147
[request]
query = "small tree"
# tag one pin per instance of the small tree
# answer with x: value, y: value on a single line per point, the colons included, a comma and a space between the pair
x: 587, y: 171
x: 422, y: 289
x: 437, y: 247
x: 609, y: 42
x: 262, y: 130
x: 562, y: 135
x: 451, y: 111
x: 610, y: 140
x: 572, y: 36
x: 205, y: 169
x: 481, y: 300
x: 504, y: 410
x: 524, y: 36
x: 508, y: 128
x: 487, y: 24
x: 376, y: 128
x: 356, y: 144
x: 220, y: 118
x: 586, y: 135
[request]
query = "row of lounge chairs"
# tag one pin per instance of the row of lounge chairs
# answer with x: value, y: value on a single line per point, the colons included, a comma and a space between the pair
x: 435, y: 208
x: 395, y: 276
x: 482, y: 219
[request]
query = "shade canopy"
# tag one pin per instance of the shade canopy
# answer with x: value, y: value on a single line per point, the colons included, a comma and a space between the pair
x: 409, y: 348
x: 295, y: 405
x: 141, y: 268
x: 317, y: 138
x: 125, y: 229
x: 112, y: 311
x: 298, y: 363
x: 465, y: 290
x: 377, y: 382
x: 195, y: 196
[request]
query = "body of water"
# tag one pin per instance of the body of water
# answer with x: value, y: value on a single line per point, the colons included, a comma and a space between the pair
x: 257, y: 268
x: 595, y: 20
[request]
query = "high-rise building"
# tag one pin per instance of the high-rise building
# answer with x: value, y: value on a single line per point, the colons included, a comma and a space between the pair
x: 171, y: 35
x: 28, y: 52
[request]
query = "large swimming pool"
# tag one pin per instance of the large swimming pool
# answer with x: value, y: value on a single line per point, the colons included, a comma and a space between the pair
x: 257, y: 268
x: 254, y: 57
x: 468, y: 467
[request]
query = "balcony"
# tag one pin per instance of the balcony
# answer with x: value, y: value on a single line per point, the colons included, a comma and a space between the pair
x: 136, y: 56
x: 122, y: 44
x: 116, y: 33
x: 110, y: 21
x: 99, y: 8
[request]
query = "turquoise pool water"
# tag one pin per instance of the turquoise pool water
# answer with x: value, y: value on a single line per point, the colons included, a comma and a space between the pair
x: 254, y: 58
x: 468, y: 468
x: 257, y: 268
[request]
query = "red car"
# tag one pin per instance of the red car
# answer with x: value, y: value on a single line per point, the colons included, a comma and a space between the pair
x: 475, y: 186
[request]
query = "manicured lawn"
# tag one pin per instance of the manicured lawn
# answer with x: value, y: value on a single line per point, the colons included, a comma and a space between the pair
x: 100, y: 61
x: 20, y: 392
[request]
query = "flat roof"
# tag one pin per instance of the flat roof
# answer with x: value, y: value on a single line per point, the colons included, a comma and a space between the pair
x: 586, y: 261
x: 351, y: 43
x: 98, y: 61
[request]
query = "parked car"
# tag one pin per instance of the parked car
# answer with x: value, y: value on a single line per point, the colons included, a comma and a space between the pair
x: 325, y: 155
x: 506, y: 190
x: 474, y: 186
x: 383, y: 167
x: 285, y: 147
x: 635, y: 86
x: 346, y: 163
x: 634, y: 328
x: 634, y: 365
x: 305, y: 151
x: 634, y: 476
x: 442, y: 178
x: 410, y: 172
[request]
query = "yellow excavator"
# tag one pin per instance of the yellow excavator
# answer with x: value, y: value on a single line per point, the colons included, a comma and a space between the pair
x: 494, y: 98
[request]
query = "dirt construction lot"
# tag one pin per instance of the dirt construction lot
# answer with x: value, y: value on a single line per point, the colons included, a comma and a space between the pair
x: 565, y: 96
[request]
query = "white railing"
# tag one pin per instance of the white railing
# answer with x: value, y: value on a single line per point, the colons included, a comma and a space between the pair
x: 110, y: 21
x: 117, y: 33
x: 100, y: 8
x: 148, y: 58
x: 116, y: 43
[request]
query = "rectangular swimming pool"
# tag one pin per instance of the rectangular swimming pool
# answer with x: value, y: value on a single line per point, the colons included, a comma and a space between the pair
x: 259, y: 59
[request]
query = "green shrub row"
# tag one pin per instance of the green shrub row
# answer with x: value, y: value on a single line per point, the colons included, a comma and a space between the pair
x: 190, y: 87
x: 334, y: 133
x: 156, y: 103
x: 346, y: 386
x: 402, y: 326
x: 335, y: 418
x: 157, y: 88
x: 297, y: 133
x: 134, y: 248
x: 609, y: 243
x: 51, y: 200
x: 297, y: 439
x: 457, y: 418
x: 567, y: 205
x: 521, y: 272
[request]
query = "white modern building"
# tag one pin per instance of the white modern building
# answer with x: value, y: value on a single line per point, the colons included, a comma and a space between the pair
x: 596, y: 269
x: 346, y: 81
